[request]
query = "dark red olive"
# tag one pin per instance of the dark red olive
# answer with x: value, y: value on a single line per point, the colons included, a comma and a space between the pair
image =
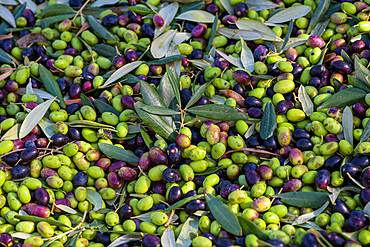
x: 265, y: 172
x: 131, y: 55
x: 213, y: 8
x: 115, y: 166
x: 255, y: 112
x: 127, y: 174
x: 322, y: 179
x: 6, y: 239
x: 252, y: 177
x: 199, y: 30
x: 158, y: 188
x: 202, y: 101
x: 119, y: 61
x: 125, y: 212
x: 359, y: 110
x: 365, y: 196
x: 242, y: 77
x: 175, y: 194
x: 157, y: 156
x: 42, y: 196
x: 128, y: 102
x: 342, y: 67
x: 316, y: 41
x: 292, y: 185
x: 358, y: 46
x: 114, y: 180
x: 282, y: 107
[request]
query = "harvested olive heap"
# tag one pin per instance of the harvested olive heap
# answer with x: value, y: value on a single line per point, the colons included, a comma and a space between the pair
x: 189, y: 123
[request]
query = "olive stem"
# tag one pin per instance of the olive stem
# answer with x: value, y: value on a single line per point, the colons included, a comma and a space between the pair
x: 170, y: 218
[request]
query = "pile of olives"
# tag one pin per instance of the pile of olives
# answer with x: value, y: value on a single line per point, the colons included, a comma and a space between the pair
x: 131, y: 162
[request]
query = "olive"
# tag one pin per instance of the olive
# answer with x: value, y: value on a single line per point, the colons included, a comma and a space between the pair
x: 185, y: 96
x: 42, y: 196
x: 171, y: 175
x: 151, y: 240
x: 74, y: 134
x: 80, y: 180
x: 333, y: 163
x: 249, y: 166
x: 361, y: 160
x: 73, y: 108
x: 309, y: 240
x: 11, y: 159
x: 75, y: 91
x: 352, y: 170
x: 125, y: 212
x: 365, y: 196
x: 252, y: 177
x: 336, y: 239
x: 103, y: 238
x: 300, y: 134
x: 110, y: 21
x: 174, y: 153
x: 304, y: 144
x: 224, y: 242
x: 252, y: 101
x: 194, y: 206
x: 225, y: 191
x: 276, y: 242
x: 29, y: 154
x: 340, y: 207
x: 175, y: 194
x: 354, y: 223
x: 210, y: 236
x: 6, y: 239
x: 59, y: 140
x: 318, y: 71
x: 20, y: 171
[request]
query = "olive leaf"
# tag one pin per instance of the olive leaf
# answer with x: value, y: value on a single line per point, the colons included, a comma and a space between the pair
x: 34, y: 117
x: 345, y: 97
x: 366, y: 133
x: 182, y: 202
x: 141, y: 9
x: 190, y: 226
x: 200, y: 63
x: 306, y: 217
x: 223, y: 215
x: 90, y: 124
x: 260, y: 5
x: 228, y: 6
x: 125, y: 239
x: 100, y: 3
x: 56, y: 9
x: 168, y: 13
x: 217, y: 99
x: 250, y: 131
x: 304, y: 199
x: 104, y: 50
x: 165, y: 60
x: 292, y: 42
x: 94, y: 197
x: 361, y: 72
x: 291, y: 13
x: 165, y: 90
x: 305, y: 100
x: 246, y: 57
x: 334, y: 193
x: 209, y: 170
x: 320, y: 11
x: 346, y: 57
x: 213, y: 33
x: 50, y: 84
x: 147, y: 139
x: 347, y: 122
x: 30, y: 5
x: 233, y: 60
x: 100, y: 29
x: 7, y: 16
x: 118, y: 153
x: 354, y: 82
x: 86, y: 101
x: 287, y: 35
x: 168, y: 238
x: 157, y: 123
x: 47, y: 127
x: 12, y: 133
x: 268, y: 122
x: 251, y: 34
x: 366, y: 209
x: 4, y: 57
x: 158, y: 110
x: 224, y: 112
x: 36, y: 219
x: 200, y: 16
x: 197, y: 95
x: 18, y: 12
x: 259, y: 27
x: 320, y: 27
x: 23, y: 235
x: 161, y: 44
x: 249, y: 227
x: 124, y: 70
x: 8, y: 2
x: 66, y: 209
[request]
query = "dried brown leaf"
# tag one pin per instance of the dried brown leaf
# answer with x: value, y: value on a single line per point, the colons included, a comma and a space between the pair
x: 6, y: 36
x: 31, y: 38
x: 84, y: 27
x: 232, y: 94
x: 5, y: 75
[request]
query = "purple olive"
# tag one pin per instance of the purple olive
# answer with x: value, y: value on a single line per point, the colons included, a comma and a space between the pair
x: 20, y: 171
x: 252, y: 177
x: 322, y: 179
x: 194, y: 206
x: 151, y: 240
x: 29, y: 154
x: 125, y: 212
x: 75, y: 91
x: 42, y: 196
x: 260, y: 52
x: 174, y: 195
x: 128, y: 102
x: 199, y: 30
x: 359, y: 110
x: 6, y: 239
x: 341, y: 207
x: 225, y: 191
x: 354, y: 223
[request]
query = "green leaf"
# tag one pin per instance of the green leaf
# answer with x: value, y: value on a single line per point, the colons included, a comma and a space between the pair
x: 250, y: 227
x: 346, y: 57
x: 165, y: 90
x: 200, y: 16
x: 305, y: 100
x: 168, y: 13
x: 256, y: 26
x: 260, y: 5
x: 347, y: 122
x: 18, y: 12
x: 157, y: 123
x: 66, y: 209
x: 161, y: 44
x: 183, y: 202
x: 12, y: 133
x: 175, y: 83
x: 223, y: 215
x: 100, y: 29
x: 304, y: 199
x: 354, y: 82
x: 246, y: 34
x: 213, y: 33
x: 224, y: 112
x: 209, y: 170
x: 246, y: 57
x: 94, y: 197
x: 190, y: 227
x: 104, y: 107
x: 306, y: 217
x: 321, y: 8
x: 86, y: 101
x: 34, y: 117
x: 118, y: 153
x: 165, y: 60
x: 57, y: 18
x: 7, y: 16
x: 39, y: 219
x: 168, y: 238
x: 141, y: 9
x: 362, y: 73
x: 56, y: 9
x: 345, y: 97
x: 320, y: 27
x: 197, y: 94
x: 191, y: 6
x: 4, y: 57
x: 366, y: 133
x: 158, y: 110
x: 124, y: 70
x: 287, y: 35
x: 47, y: 127
x: 104, y: 50
x: 147, y: 139
x: 100, y: 3
x: 324, y: 52
x: 291, y: 13
x: 50, y: 84
x: 233, y: 60
x: 89, y: 124
x: 268, y: 122
x: 228, y: 6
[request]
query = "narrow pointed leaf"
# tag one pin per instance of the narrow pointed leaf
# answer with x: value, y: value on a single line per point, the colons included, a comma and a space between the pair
x: 104, y: 107
x: 292, y: 42
x: 121, y: 72
x: 191, y: 6
x: 157, y: 123
x: 197, y: 94
x: 233, y: 60
x: 362, y: 73
x: 366, y: 133
x: 51, y: 85
x: 94, y: 197
x: 196, y: 16
x: 7, y: 16
x: 218, y: 112
x: 12, y: 133
x: 252, y: 25
x: 147, y: 139
x: 100, y: 3
x: 306, y: 217
x: 190, y: 226
x: 16, y: 14
x: 4, y: 57
x: 268, y: 122
x: 165, y: 90
x: 34, y: 117
x: 175, y: 84
x: 168, y: 13
x: 304, y: 199
x: 213, y: 33
x: 320, y: 27
x: 100, y: 29
x: 125, y: 239
x: 246, y: 57
x: 183, y: 202
x: 168, y: 238
x: 249, y: 227
x: 118, y: 153
x: 347, y: 122
x: 36, y: 219
x: 47, y: 127
x: 346, y: 57
x: 291, y: 13
x: 223, y: 215
x: 345, y: 97
x: 104, y: 50
x: 321, y: 8
x: 56, y: 9
x: 260, y: 4
x: 161, y: 44
x: 165, y: 60
x: 86, y: 101
x: 66, y: 209
x: 287, y: 35
x: 250, y: 34
x: 158, y: 110
x: 306, y: 101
